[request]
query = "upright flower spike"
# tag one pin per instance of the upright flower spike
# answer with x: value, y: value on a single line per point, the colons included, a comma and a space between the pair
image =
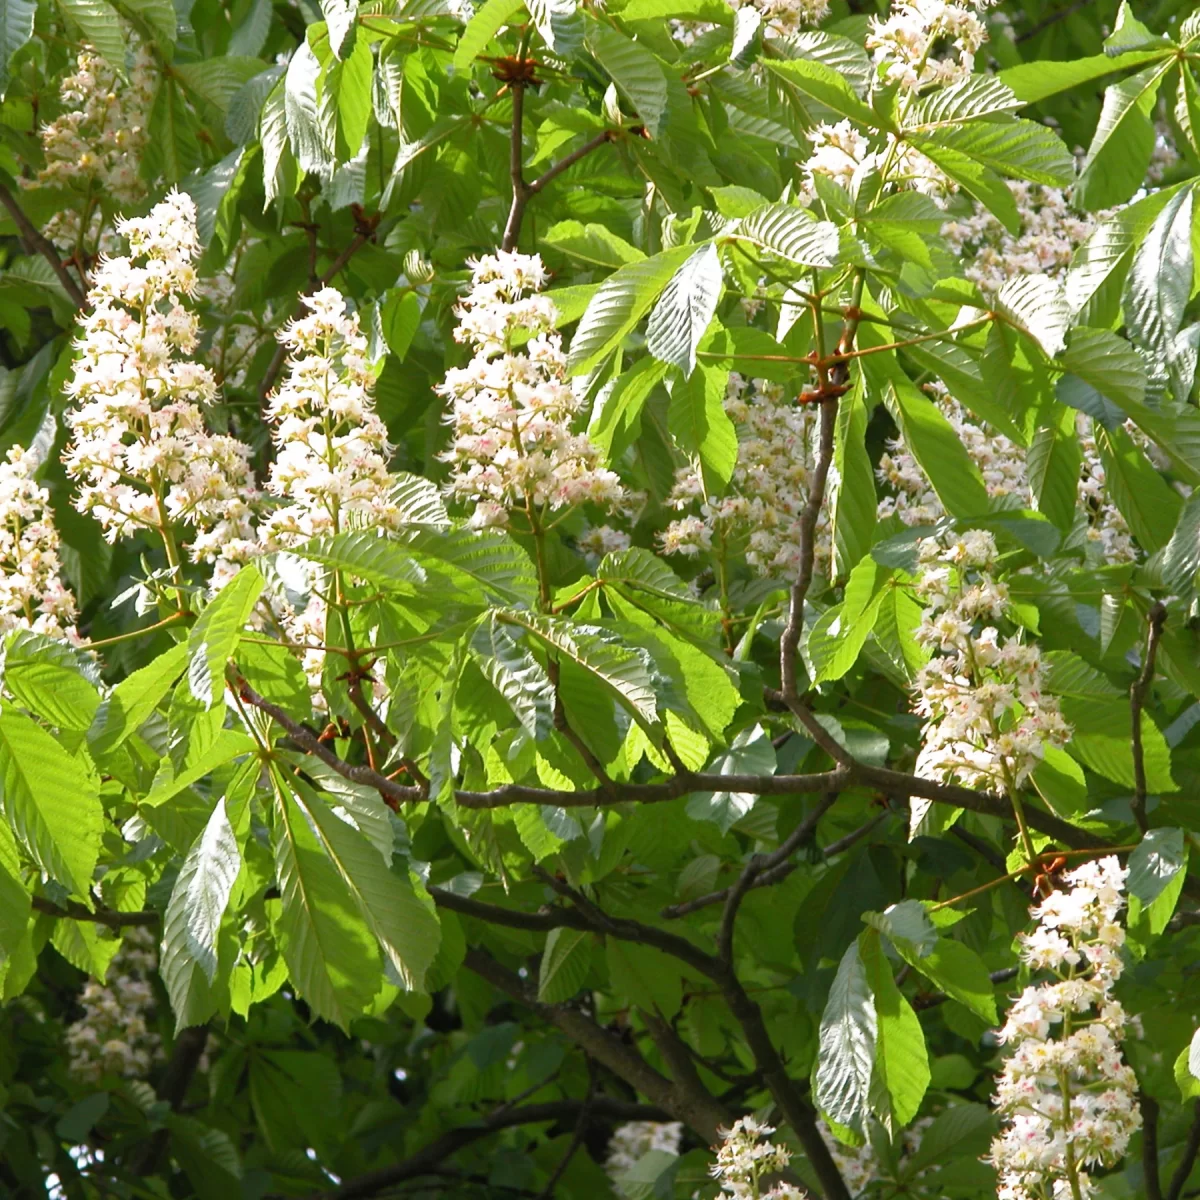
x: 512, y: 409
x: 769, y: 489
x: 988, y: 717
x: 32, y: 593
x: 140, y: 449
x: 924, y: 42
x: 1068, y: 1099
x: 94, y: 146
x: 746, y: 1159
x: 331, y: 446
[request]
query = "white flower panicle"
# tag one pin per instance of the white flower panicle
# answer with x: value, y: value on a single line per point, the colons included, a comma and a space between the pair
x: 331, y: 460
x: 746, y: 1158
x: 512, y: 410
x: 32, y: 593
x: 95, y: 145
x: 113, y: 1036
x: 988, y: 717
x: 633, y: 1139
x: 1068, y: 1099
x: 859, y: 1166
x: 783, y: 17
x: 777, y: 453
x: 841, y: 152
x: 928, y: 41
x: 141, y: 452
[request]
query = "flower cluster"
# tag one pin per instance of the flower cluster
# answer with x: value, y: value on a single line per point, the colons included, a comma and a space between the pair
x: 633, y: 1139
x: 928, y: 41
x: 1050, y: 233
x: 1069, y: 1101
x: 988, y: 717
x: 331, y: 447
x: 512, y: 411
x: 32, y: 593
x: 859, y: 1166
x: 141, y: 452
x: 746, y: 1159
x: 784, y: 17
x: 777, y: 443
x: 94, y: 146
x: 841, y: 152
x: 113, y: 1036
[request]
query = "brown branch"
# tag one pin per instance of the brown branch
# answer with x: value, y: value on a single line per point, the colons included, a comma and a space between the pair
x: 107, y: 917
x: 1150, y: 1174
x: 569, y: 160
x: 1053, y: 19
x: 779, y: 868
x: 701, y: 1112
x: 36, y: 243
x: 1138, y: 691
x: 172, y: 1088
x: 426, y: 1160
x: 933, y: 999
x: 580, y: 1132
x: 1190, y: 1149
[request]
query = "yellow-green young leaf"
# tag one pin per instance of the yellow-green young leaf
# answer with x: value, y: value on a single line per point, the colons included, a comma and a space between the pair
x: 134, y: 699
x: 827, y: 87
x: 841, y: 632
x: 566, y: 961
x: 1101, y: 741
x: 616, y: 419
x: 591, y: 243
x: 901, y: 1060
x: 852, y: 488
x: 349, y: 82
x: 1053, y: 465
x: 959, y: 972
x: 488, y: 20
x: 332, y: 957
x: 52, y: 801
x: 215, y: 635
x: 702, y: 428
x: 897, y: 621
x: 15, y: 904
x: 202, y: 759
x: 46, y: 676
x: 1187, y: 1069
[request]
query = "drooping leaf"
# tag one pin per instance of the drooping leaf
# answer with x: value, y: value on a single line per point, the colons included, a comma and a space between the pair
x: 215, y: 635
x: 1160, y: 278
x: 682, y: 313
x: 847, y: 1045
x: 791, y: 233
x: 565, y: 964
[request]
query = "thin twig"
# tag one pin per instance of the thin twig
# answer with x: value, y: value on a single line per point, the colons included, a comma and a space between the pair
x: 1138, y: 690
x: 1150, y: 1174
x: 36, y: 243
x: 581, y: 1124
x: 74, y: 911
x: 1191, y: 1148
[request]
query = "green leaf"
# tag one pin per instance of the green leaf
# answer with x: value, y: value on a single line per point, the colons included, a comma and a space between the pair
x: 566, y: 961
x: 1181, y: 555
x: 46, y: 676
x: 173, y: 150
x: 591, y: 243
x: 1037, y: 306
x: 977, y: 180
x: 619, y: 304
x: 403, y: 921
x: 156, y: 20
x: 1116, y: 161
x: 852, y: 502
x: 1053, y: 464
x: 847, y: 1045
x: 100, y: 26
x: 52, y: 802
x: 901, y: 1060
x: 1130, y: 34
x: 201, y: 760
x: 971, y: 98
x: 645, y: 976
x: 15, y: 902
x: 684, y: 310
x: 302, y: 114
x: 349, y: 82
x: 332, y: 957
x: 217, y: 80
x: 959, y: 972
x: 702, y: 428
x: 516, y: 675
x: 635, y: 71
x: 825, y: 85
x: 1155, y: 862
x: 840, y: 633
x: 134, y: 699
x: 340, y: 22
x: 1187, y: 1069
x: 1034, y: 81
x: 791, y: 233
x: 16, y: 28
x: 620, y: 670
x: 1160, y: 278
x: 1108, y: 363
x: 1149, y: 505
x: 215, y: 635
x: 936, y: 446
x: 481, y: 28
x: 750, y: 753
x: 943, y: 1140
x: 193, y: 919
x: 1101, y: 741
x: 617, y: 417
x: 248, y: 38
x: 560, y: 25
x: 1017, y: 149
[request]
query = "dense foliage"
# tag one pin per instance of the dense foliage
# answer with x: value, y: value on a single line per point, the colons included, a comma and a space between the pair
x: 599, y: 599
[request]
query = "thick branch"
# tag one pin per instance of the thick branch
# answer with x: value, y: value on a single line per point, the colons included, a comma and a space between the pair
x: 36, y: 243
x: 1188, y: 1161
x: 172, y: 1088
x: 437, y: 1151
x: 1138, y: 691
x: 107, y: 917
x: 699, y: 1110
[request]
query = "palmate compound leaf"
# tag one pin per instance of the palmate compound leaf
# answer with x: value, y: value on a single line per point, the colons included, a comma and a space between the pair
x: 682, y: 314
x: 1160, y: 277
x: 215, y: 635
x: 52, y: 800
x: 565, y: 964
x: 791, y: 233
x: 516, y: 675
